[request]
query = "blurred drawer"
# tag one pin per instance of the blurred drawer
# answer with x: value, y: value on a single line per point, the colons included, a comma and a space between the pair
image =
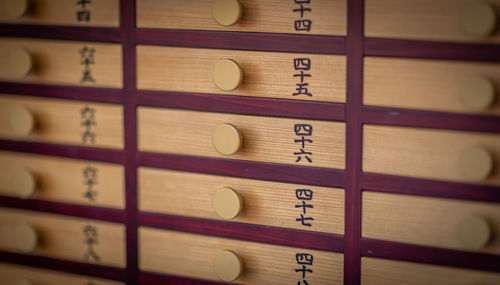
x: 446, y: 223
x: 198, y: 256
x: 293, y: 206
x: 61, y: 121
x: 251, y: 73
x: 324, y: 17
x: 432, y: 85
x: 442, y: 20
x: 387, y: 272
x: 15, y: 274
x: 62, y: 237
x: 434, y: 154
x: 62, y: 180
x: 279, y: 140
x: 61, y: 62
x: 105, y: 13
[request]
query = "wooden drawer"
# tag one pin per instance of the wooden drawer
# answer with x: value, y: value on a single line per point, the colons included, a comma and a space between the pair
x: 443, y: 20
x: 62, y: 180
x: 433, y: 154
x: 324, y: 17
x: 105, y: 13
x: 15, y: 274
x: 387, y: 272
x: 61, y: 62
x: 431, y: 221
x: 432, y: 85
x: 279, y: 140
x: 192, y: 255
x: 62, y: 237
x: 61, y: 121
x: 252, y: 201
x: 265, y: 74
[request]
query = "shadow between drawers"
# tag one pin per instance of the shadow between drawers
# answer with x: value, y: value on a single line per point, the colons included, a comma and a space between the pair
x: 149, y: 278
x: 94, y: 34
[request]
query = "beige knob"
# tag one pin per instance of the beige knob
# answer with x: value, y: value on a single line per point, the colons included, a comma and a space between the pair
x: 479, y: 19
x: 25, y: 282
x: 227, y: 75
x: 478, y: 92
x: 227, y: 265
x: 227, y: 203
x: 473, y: 232
x: 21, y: 121
x: 476, y: 163
x: 227, y: 12
x: 23, y: 183
x: 227, y: 139
x: 19, y: 62
x: 26, y: 237
x: 15, y: 8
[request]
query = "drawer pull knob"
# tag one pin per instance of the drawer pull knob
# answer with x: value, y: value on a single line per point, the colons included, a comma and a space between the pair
x: 26, y: 237
x: 227, y: 203
x: 227, y: 75
x: 473, y: 232
x: 23, y: 183
x: 15, y: 8
x: 479, y: 19
x: 21, y: 121
x: 478, y: 92
x: 227, y: 12
x: 476, y: 163
x: 227, y: 265
x: 19, y: 63
x: 227, y: 139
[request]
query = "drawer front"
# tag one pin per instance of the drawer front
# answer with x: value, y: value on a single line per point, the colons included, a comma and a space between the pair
x: 387, y: 272
x: 443, y: 20
x: 61, y: 62
x: 15, y: 274
x: 289, y: 141
x: 299, y: 207
x: 61, y: 121
x: 432, y: 85
x: 192, y: 255
x: 62, y: 180
x: 433, y: 154
x: 265, y: 74
x: 62, y: 237
x: 103, y: 13
x: 429, y: 221
x: 324, y: 17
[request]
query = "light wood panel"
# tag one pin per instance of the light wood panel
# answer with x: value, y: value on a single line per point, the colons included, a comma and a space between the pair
x: 267, y: 203
x: 264, y: 139
x: 66, y: 180
x: 12, y: 274
x: 329, y: 17
x: 424, y: 84
x: 265, y: 74
x: 192, y: 255
x: 65, y: 237
x: 424, y: 153
x: 63, y: 121
x: 421, y: 20
x: 62, y: 62
x: 425, y: 221
x: 387, y: 272
x: 103, y: 13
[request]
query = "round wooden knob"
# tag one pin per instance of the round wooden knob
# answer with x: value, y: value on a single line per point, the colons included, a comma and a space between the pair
x: 19, y: 62
x: 227, y: 12
x: 479, y: 19
x: 26, y: 237
x: 21, y: 121
x: 478, y: 92
x: 25, y: 282
x: 227, y: 75
x: 23, y: 183
x: 227, y: 203
x: 15, y: 8
x: 227, y: 139
x: 473, y: 232
x: 227, y: 265
x: 476, y: 163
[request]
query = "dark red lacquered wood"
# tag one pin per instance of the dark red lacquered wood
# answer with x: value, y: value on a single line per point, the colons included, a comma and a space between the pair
x: 95, y: 34
x: 243, y: 41
x: 149, y: 278
x: 429, y: 255
x: 244, y: 105
x: 248, y: 232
